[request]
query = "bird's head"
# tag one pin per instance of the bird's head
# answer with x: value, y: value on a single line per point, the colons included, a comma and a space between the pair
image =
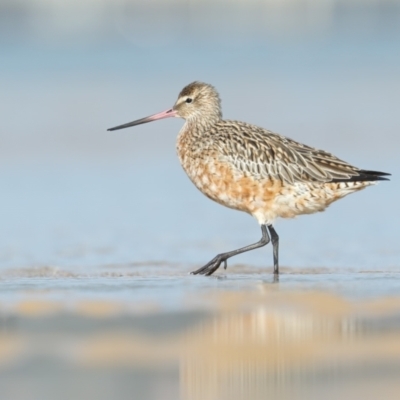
x: 197, y: 101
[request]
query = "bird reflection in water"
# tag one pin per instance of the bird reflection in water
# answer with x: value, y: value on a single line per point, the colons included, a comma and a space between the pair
x: 278, y: 352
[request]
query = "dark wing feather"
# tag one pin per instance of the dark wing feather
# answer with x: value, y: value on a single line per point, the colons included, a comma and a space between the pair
x: 266, y: 154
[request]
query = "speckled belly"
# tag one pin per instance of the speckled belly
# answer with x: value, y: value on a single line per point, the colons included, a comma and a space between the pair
x: 231, y: 188
x: 265, y: 199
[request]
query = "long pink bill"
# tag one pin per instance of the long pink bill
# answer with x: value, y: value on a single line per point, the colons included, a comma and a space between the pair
x: 164, y: 114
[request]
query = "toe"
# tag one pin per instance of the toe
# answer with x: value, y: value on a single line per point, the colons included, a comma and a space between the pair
x: 210, y: 267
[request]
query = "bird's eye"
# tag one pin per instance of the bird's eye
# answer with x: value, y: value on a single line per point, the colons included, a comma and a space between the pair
x: 188, y: 100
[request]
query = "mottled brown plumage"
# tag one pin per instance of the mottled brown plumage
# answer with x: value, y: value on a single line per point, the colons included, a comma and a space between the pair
x: 252, y: 169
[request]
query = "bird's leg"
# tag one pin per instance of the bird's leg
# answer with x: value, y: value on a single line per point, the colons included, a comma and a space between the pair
x: 215, y: 263
x: 275, y: 247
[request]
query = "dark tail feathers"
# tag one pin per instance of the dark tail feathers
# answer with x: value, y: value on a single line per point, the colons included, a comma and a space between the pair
x: 364, y: 175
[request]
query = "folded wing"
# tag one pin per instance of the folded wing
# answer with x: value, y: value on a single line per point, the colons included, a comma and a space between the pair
x: 265, y: 154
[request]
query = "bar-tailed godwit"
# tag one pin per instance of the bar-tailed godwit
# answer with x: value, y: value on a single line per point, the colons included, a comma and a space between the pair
x: 252, y: 169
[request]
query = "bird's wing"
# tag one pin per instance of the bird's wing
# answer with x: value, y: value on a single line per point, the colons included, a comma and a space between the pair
x: 265, y: 154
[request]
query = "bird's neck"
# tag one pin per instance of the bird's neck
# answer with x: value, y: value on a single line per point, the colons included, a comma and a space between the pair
x: 192, y: 138
x: 198, y: 126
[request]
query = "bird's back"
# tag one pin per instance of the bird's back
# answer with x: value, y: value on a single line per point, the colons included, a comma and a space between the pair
x: 265, y: 154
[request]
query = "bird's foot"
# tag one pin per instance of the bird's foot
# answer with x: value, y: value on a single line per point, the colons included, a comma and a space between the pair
x: 212, y: 266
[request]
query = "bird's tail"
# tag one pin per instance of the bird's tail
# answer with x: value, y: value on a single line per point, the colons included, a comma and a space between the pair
x: 366, y: 176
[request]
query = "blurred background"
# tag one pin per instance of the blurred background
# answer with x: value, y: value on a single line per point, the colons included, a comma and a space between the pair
x: 108, y: 223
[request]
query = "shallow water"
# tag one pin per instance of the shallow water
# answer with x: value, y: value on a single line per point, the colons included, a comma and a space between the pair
x: 155, y: 332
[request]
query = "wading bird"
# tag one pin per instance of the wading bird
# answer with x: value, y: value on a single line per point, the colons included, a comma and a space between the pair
x: 251, y: 169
